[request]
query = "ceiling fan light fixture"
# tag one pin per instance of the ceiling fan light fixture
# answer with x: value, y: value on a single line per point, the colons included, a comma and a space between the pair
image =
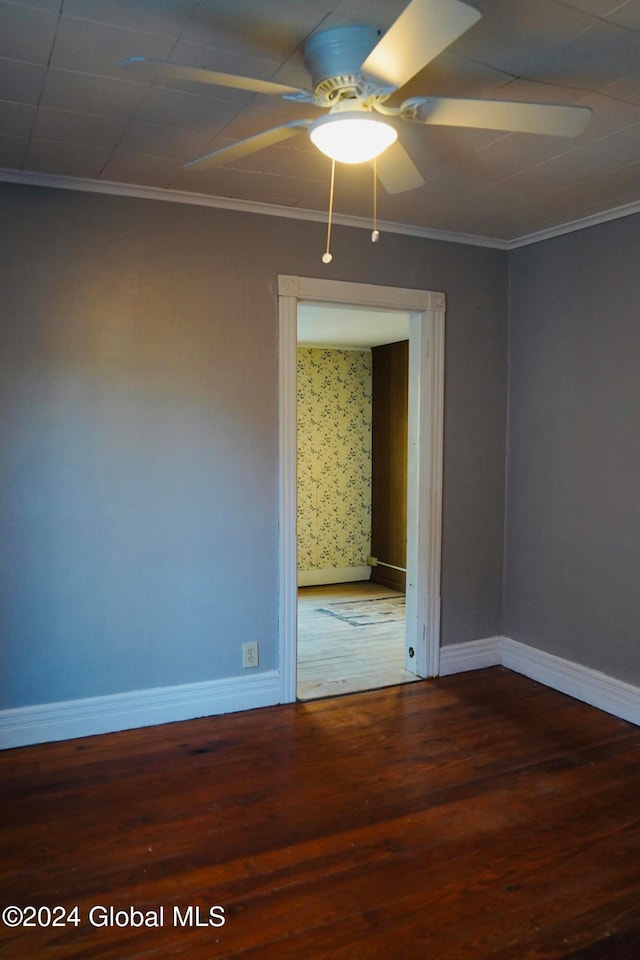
x: 352, y: 136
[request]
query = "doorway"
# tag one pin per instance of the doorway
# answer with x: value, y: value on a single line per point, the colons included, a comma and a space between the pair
x: 424, y: 509
x: 352, y: 452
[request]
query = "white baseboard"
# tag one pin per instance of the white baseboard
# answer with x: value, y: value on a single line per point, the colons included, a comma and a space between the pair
x: 45, y: 722
x: 598, y: 689
x: 314, y: 578
x: 473, y: 655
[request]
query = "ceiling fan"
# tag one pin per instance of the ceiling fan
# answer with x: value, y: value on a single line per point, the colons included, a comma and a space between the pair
x: 354, y: 73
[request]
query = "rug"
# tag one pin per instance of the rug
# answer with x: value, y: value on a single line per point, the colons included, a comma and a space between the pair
x: 367, y: 613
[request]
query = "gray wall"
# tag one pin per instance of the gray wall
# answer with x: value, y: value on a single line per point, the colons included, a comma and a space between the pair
x: 572, y: 566
x: 138, y: 481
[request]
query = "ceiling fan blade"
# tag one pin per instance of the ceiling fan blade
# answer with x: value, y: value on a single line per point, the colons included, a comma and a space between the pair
x: 396, y: 171
x: 516, y: 117
x: 152, y: 69
x: 243, y: 148
x: 422, y: 31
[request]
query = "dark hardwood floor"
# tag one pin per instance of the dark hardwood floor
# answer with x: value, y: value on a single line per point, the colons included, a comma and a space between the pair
x: 477, y: 816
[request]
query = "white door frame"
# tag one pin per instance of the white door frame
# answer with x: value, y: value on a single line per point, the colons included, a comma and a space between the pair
x: 426, y: 417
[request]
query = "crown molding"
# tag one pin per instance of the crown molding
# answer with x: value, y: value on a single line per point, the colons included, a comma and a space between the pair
x: 318, y: 216
x: 243, y: 206
x: 614, y: 213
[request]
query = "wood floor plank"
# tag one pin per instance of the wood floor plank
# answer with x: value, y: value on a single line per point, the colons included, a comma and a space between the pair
x: 479, y: 816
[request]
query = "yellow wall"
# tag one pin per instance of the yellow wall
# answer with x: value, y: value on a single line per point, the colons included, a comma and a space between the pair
x: 334, y: 458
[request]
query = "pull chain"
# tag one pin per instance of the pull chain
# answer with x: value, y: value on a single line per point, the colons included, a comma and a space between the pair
x: 326, y: 257
x: 375, y: 233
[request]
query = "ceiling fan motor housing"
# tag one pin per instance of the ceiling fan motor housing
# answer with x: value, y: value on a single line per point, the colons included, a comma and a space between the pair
x: 334, y: 59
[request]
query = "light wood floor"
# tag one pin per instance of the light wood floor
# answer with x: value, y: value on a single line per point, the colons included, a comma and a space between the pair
x: 336, y: 657
x: 475, y: 817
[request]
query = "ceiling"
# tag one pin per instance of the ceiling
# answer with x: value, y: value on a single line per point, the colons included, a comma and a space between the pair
x: 349, y: 327
x: 67, y: 110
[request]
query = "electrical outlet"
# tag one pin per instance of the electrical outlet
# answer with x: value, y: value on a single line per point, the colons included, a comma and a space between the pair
x: 250, y: 654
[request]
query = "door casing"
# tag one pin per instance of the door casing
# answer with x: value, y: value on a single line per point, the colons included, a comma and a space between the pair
x: 426, y: 418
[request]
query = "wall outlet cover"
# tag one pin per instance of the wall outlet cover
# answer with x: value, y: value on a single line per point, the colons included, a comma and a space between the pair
x: 250, y: 655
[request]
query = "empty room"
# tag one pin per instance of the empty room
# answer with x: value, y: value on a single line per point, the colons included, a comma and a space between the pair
x: 179, y: 183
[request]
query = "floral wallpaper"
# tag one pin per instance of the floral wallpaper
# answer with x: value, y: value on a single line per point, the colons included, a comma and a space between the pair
x: 334, y: 458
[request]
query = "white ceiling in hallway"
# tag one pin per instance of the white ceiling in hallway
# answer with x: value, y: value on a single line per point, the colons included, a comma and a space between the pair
x: 349, y: 327
x: 68, y: 110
